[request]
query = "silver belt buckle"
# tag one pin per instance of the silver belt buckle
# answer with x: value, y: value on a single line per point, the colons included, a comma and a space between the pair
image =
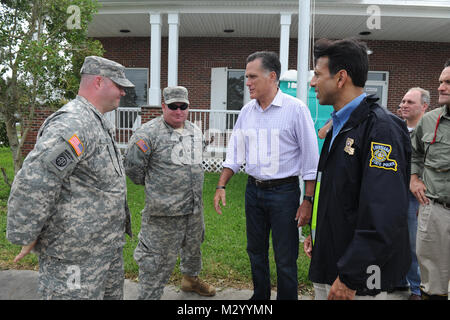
x: 258, y: 182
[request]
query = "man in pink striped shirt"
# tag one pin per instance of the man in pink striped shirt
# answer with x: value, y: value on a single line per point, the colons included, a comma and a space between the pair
x: 274, y: 135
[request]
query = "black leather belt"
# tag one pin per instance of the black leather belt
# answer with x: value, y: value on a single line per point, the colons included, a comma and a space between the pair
x: 446, y: 205
x: 271, y: 183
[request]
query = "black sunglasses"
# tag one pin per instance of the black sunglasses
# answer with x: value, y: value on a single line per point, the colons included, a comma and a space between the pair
x: 173, y: 106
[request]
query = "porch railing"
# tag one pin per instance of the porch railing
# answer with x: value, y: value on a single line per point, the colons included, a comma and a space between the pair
x: 126, y: 121
x: 216, y: 126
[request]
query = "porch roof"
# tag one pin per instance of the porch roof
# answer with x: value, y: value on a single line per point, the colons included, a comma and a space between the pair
x: 399, y: 20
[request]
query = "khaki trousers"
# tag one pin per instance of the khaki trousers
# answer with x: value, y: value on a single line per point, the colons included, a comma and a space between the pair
x: 433, y: 248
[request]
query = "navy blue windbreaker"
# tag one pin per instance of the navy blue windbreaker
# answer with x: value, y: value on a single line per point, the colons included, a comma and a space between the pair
x: 361, y: 224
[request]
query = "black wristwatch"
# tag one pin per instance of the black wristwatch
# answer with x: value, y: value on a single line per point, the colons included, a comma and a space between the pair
x: 309, y: 198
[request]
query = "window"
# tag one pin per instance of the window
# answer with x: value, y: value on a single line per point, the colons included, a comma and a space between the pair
x: 137, y: 96
x: 377, y: 83
x: 134, y: 98
x: 235, y: 89
x: 228, y: 92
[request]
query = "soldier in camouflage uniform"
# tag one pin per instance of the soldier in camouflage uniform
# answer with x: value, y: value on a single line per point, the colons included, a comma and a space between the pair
x: 165, y: 155
x: 68, y: 201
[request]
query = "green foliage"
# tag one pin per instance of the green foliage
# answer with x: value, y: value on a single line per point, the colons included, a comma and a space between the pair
x: 41, y: 53
x: 4, y: 142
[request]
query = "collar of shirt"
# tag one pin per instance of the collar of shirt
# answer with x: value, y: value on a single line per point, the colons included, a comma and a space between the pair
x: 340, y: 117
x: 107, y: 125
x: 446, y: 111
x: 277, y: 101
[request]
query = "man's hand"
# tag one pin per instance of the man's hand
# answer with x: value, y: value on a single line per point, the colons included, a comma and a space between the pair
x: 307, y: 246
x: 219, y: 196
x: 304, y: 213
x: 418, y: 189
x: 339, y: 291
x: 25, y: 251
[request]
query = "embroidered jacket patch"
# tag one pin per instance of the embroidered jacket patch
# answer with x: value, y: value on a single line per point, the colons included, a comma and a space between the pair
x: 380, y: 156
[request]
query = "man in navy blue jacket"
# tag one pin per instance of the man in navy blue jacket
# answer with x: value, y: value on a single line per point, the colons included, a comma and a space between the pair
x: 359, y: 244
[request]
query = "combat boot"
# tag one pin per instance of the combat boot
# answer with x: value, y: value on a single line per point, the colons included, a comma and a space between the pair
x: 195, y: 284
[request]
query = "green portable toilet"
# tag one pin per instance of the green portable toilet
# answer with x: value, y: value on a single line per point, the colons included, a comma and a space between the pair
x: 319, y: 113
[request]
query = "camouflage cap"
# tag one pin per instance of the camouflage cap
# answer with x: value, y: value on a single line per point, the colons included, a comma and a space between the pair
x: 175, y: 94
x: 103, y: 67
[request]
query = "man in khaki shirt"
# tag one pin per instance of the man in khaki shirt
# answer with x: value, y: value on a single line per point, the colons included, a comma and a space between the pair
x: 430, y: 173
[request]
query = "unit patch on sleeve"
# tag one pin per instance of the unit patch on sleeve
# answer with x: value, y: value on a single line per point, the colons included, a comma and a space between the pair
x: 142, y: 145
x: 62, y: 160
x: 76, y: 144
x: 380, y: 156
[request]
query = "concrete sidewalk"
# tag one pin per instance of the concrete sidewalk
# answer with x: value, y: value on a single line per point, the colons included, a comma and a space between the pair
x: 22, y: 285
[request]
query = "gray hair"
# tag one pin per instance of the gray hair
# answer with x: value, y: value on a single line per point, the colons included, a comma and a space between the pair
x: 424, y: 94
x: 269, y: 61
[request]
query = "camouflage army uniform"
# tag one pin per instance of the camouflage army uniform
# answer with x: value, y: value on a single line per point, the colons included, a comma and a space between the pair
x: 169, y: 164
x: 70, y: 195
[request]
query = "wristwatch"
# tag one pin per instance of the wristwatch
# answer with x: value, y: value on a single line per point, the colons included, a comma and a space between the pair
x: 309, y: 198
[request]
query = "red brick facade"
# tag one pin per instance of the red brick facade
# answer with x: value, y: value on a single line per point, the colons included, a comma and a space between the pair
x: 40, y: 115
x: 410, y: 64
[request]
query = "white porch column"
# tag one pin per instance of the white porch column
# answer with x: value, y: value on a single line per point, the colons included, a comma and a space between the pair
x: 154, y: 93
x: 172, y: 72
x: 285, y: 22
x: 303, y: 49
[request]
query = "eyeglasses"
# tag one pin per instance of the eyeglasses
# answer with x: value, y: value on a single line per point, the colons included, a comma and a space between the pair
x: 174, y: 107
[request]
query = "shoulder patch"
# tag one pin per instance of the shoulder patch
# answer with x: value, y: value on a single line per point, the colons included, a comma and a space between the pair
x: 62, y: 160
x: 142, y: 145
x: 380, y: 156
x: 76, y: 144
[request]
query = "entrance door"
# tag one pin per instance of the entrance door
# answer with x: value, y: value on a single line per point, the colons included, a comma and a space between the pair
x: 217, y: 120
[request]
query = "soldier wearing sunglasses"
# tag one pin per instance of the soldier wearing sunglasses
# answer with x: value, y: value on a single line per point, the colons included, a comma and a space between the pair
x: 165, y: 155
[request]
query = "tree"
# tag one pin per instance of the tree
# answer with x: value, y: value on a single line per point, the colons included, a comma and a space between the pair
x: 43, y: 46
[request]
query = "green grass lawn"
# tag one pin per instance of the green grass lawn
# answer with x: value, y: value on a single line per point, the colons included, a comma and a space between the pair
x: 225, y: 260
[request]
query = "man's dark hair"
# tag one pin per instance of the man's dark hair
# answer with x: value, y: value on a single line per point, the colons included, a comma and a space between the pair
x: 269, y: 61
x: 347, y: 54
x: 447, y: 63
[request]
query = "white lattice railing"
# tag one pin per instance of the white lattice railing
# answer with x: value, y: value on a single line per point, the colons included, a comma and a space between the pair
x: 126, y: 122
x: 215, y: 165
x: 216, y: 125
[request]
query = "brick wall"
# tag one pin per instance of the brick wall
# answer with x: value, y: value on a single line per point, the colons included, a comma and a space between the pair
x: 40, y: 115
x: 409, y: 64
x: 148, y: 113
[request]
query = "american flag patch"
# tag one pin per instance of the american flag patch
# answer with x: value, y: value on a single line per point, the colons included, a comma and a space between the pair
x: 142, y: 145
x: 76, y: 144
